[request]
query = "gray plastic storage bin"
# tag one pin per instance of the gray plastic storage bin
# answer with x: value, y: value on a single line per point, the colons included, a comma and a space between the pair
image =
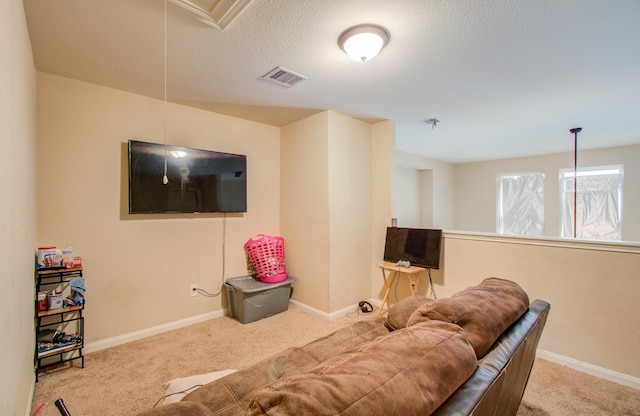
x: 250, y: 299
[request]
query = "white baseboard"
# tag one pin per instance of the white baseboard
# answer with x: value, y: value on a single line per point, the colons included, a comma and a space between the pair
x: 600, y: 372
x: 311, y: 309
x: 31, y: 394
x: 333, y: 315
x: 147, y: 332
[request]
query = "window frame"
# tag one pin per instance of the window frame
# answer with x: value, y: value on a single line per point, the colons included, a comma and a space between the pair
x: 501, y: 218
x: 566, y: 210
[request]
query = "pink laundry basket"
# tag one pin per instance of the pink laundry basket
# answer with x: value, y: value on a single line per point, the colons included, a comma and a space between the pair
x: 266, y: 254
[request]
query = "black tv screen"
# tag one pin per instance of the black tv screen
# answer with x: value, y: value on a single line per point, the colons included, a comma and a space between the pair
x: 419, y: 246
x: 199, y: 180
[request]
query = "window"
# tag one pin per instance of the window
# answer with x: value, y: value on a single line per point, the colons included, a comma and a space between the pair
x: 599, y: 203
x: 520, y: 204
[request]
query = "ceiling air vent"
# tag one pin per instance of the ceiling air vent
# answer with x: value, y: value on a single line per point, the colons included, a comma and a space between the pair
x: 284, y: 77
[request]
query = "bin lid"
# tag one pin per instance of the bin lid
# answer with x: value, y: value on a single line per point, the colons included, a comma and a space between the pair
x: 248, y: 284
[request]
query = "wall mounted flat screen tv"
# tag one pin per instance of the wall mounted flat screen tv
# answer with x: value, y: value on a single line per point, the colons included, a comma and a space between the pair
x: 419, y: 246
x: 200, y: 181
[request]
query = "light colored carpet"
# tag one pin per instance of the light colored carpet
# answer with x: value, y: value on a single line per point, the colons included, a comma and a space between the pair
x: 126, y: 379
x: 557, y: 390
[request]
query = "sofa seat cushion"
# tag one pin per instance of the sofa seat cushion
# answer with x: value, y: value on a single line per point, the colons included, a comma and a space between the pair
x: 407, y: 372
x: 484, y: 311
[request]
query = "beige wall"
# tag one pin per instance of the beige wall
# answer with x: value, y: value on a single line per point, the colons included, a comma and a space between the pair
x: 138, y: 268
x: 18, y: 208
x: 304, y: 202
x: 440, y: 195
x: 414, y: 201
x: 137, y: 265
x: 350, y: 213
x: 426, y: 208
x: 592, y: 290
x: 326, y: 214
x: 410, y: 198
x: 383, y: 176
x: 475, y: 187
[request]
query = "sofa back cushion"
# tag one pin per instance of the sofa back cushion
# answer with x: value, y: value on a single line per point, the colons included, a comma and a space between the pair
x: 407, y: 372
x: 400, y: 312
x: 484, y: 311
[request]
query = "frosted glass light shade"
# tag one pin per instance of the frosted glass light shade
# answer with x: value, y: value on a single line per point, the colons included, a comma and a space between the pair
x: 363, y: 42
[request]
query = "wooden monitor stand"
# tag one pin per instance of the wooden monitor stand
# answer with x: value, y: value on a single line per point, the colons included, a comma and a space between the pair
x: 391, y: 272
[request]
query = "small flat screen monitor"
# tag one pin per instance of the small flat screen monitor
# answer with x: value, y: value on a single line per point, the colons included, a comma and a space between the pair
x: 419, y: 246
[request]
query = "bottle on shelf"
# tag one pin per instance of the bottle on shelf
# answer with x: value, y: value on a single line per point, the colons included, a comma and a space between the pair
x: 67, y: 255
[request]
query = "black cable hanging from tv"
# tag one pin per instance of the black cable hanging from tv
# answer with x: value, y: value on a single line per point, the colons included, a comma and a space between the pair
x: 575, y: 132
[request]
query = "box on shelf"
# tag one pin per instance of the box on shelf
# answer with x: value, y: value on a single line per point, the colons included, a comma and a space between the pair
x: 55, y: 301
x: 250, y: 299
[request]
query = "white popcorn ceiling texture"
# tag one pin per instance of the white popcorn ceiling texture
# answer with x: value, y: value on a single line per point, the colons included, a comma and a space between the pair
x: 504, y: 78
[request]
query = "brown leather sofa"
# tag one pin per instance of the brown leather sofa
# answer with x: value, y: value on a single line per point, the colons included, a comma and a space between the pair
x: 498, y: 384
x: 470, y: 354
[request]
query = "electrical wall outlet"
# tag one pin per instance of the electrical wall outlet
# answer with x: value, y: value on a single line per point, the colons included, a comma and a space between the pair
x: 193, y: 290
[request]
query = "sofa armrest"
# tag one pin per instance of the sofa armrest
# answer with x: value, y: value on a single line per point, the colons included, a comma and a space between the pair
x: 498, y: 384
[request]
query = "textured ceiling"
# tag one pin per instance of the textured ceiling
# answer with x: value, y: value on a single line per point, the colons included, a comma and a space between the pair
x: 505, y: 77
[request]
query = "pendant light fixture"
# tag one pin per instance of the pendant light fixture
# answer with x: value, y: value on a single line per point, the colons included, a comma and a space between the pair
x: 363, y: 42
x: 575, y: 132
x: 432, y: 122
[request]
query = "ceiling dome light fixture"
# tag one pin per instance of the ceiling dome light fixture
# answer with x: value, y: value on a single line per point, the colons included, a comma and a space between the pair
x: 363, y: 42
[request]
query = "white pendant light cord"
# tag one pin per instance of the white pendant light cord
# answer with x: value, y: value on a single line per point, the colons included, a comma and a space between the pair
x: 165, y: 179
